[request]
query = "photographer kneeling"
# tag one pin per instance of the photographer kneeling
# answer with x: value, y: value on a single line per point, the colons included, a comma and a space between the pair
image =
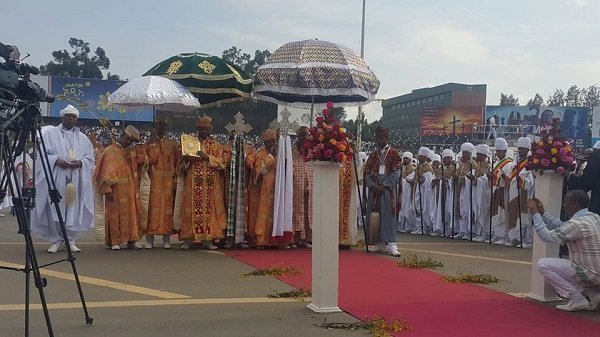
x: 579, y: 277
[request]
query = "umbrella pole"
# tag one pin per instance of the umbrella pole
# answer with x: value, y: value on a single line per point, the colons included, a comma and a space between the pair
x: 312, y: 106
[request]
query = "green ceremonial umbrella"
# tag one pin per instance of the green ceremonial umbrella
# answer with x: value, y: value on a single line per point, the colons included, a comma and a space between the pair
x: 210, y: 78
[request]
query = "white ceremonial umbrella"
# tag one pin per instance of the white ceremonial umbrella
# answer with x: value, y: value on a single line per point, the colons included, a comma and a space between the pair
x: 156, y: 91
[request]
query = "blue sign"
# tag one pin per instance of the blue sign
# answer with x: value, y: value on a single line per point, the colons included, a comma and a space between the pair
x: 90, y: 97
x: 532, y: 120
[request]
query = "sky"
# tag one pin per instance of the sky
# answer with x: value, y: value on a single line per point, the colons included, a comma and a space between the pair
x: 514, y: 46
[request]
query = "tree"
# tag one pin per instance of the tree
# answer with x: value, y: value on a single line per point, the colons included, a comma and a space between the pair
x: 557, y: 98
x: 591, y: 97
x: 573, y: 97
x: 509, y: 100
x: 78, y: 63
x: 339, y: 113
x: 244, y: 60
x: 536, y: 101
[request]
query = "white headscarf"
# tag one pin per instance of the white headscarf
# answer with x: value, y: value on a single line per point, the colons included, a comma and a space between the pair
x: 69, y: 110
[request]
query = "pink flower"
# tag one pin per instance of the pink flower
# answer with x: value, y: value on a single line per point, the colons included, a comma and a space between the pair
x: 545, y: 162
x: 560, y: 170
x: 320, y: 146
x: 558, y: 144
x: 320, y: 119
x: 540, y: 151
x: 562, y: 151
x: 328, y: 153
x: 329, y: 105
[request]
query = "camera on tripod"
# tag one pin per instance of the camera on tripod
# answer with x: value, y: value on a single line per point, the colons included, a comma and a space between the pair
x: 16, y: 87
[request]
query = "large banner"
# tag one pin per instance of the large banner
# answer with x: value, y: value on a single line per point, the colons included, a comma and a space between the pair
x: 596, y: 125
x: 532, y: 120
x: 90, y: 96
x: 452, y: 121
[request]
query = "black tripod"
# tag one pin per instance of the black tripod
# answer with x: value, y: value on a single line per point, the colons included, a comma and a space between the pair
x: 22, y: 126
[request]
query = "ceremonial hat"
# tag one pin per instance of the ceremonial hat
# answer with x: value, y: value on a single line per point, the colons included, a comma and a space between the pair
x: 203, y: 121
x: 69, y: 110
x: 467, y: 147
x: 133, y: 133
x: 501, y: 144
x: 524, y: 142
x: 269, y: 134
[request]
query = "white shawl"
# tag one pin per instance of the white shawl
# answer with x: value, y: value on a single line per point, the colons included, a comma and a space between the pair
x: 282, y: 210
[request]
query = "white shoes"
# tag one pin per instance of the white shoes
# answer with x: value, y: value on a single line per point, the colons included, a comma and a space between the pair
x: 459, y: 236
x: 594, y: 301
x: 378, y: 248
x: 500, y: 242
x: 392, y: 248
x: 74, y: 249
x: 166, y: 241
x: 149, y: 242
x: 481, y: 238
x: 54, y: 248
x: 436, y: 233
x: 570, y: 306
x: 115, y: 247
x: 210, y: 246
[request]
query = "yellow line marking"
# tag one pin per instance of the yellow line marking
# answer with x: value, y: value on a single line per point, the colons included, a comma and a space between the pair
x: 467, y: 256
x: 150, y: 303
x: 105, y: 283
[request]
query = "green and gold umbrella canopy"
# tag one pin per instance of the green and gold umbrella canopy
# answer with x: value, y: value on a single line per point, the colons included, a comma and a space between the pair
x: 210, y: 78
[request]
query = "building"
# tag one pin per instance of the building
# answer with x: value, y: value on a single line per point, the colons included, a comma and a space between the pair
x: 406, y: 112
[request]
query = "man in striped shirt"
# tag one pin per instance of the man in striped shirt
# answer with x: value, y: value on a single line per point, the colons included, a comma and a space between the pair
x: 577, y: 278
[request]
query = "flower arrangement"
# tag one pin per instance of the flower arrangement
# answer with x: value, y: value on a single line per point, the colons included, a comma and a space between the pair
x: 551, y: 152
x: 328, y: 140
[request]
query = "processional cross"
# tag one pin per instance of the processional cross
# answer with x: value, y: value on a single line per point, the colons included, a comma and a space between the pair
x: 238, y: 125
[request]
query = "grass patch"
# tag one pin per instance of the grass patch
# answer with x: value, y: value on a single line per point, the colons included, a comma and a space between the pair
x: 276, y: 271
x: 470, y: 278
x: 377, y: 327
x: 414, y: 261
x: 299, y: 294
x: 360, y: 244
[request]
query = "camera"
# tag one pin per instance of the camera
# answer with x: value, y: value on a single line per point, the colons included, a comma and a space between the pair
x: 16, y: 87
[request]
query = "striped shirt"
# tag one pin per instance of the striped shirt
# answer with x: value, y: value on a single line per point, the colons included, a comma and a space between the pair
x: 582, y: 235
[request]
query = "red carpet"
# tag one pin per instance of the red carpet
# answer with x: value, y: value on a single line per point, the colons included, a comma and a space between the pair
x: 372, y: 286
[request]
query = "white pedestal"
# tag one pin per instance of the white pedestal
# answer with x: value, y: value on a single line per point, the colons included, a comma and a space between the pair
x: 548, y: 188
x: 325, y: 231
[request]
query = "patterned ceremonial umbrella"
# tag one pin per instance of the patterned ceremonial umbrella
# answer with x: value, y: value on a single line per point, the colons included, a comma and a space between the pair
x: 210, y: 78
x: 301, y: 73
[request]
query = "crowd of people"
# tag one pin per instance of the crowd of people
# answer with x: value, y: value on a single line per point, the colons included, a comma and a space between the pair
x: 223, y: 192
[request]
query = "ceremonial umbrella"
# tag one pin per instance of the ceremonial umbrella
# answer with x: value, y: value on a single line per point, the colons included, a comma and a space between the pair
x: 156, y: 91
x: 210, y: 78
x: 302, y: 73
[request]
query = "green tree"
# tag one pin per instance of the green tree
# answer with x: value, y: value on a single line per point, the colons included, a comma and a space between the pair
x: 591, y: 97
x: 79, y: 62
x: 536, y: 101
x: 557, y: 98
x: 509, y: 100
x: 574, y: 96
x: 245, y: 61
x: 340, y: 113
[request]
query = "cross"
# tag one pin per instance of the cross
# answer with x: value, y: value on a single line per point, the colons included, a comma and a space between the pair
x: 454, y: 121
x: 239, y: 125
x: 273, y: 124
x: 284, y: 124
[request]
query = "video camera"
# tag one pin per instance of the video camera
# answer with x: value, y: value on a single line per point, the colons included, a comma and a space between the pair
x: 15, y: 85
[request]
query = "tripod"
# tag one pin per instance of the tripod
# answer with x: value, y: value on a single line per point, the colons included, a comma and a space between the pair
x: 24, y: 125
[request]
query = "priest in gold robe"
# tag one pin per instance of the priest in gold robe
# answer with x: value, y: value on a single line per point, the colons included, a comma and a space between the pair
x: 203, y: 211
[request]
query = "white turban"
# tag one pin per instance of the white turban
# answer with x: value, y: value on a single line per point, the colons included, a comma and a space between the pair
x: 597, y: 145
x: 362, y: 156
x: 424, y: 151
x: 483, y: 149
x: 467, y: 147
x: 436, y: 157
x: 69, y: 110
x: 501, y: 144
x: 407, y: 155
x: 524, y: 142
x: 448, y: 153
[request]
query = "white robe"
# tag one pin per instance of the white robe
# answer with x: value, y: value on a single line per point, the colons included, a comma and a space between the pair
x: 407, y: 217
x: 79, y: 215
x: 514, y: 233
x: 499, y: 221
x: 284, y: 191
x: 438, y: 224
x: 424, y: 206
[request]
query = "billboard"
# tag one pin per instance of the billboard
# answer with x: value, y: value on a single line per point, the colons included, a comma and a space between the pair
x: 453, y: 121
x: 596, y: 125
x: 90, y: 97
x: 533, y: 119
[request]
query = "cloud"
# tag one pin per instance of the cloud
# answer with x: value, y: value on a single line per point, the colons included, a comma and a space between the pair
x: 578, y: 3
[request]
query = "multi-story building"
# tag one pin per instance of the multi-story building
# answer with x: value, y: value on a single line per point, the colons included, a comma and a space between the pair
x: 406, y: 111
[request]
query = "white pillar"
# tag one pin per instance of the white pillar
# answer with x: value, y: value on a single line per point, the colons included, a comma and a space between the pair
x: 325, y: 231
x: 548, y: 188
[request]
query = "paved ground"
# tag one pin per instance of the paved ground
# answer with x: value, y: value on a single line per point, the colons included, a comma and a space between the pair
x: 199, y: 292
